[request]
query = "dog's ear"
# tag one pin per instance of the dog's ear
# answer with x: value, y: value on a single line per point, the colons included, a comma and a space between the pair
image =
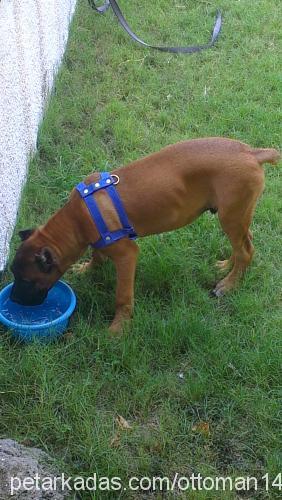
x: 26, y: 233
x: 46, y: 259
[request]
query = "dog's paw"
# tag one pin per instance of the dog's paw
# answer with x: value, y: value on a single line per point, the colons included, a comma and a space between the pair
x: 217, y: 293
x: 115, y: 329
x: 222, y: 265
x: 222, y: 287
x: 119, y: 327
x: 81, y: 267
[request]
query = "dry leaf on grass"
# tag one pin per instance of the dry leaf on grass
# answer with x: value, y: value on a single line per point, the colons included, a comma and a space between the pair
x: 202, y: 427
x: 68, y: 336
x: 115, y: 441
x: 124, y: 426
x: 122, y: 423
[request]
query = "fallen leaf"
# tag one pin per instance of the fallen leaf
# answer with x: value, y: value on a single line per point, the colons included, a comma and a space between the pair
x: 115, y: 441
x: 122, y: 423
x: 68, y: 336
x: 202, y: 427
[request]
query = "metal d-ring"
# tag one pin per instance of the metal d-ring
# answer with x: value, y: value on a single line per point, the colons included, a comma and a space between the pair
x: 117, y: 179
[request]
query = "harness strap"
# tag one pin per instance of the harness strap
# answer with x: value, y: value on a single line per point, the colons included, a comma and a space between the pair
x: 107, y: 237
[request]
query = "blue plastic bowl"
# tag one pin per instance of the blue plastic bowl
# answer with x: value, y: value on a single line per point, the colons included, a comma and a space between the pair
x: 45, y: 322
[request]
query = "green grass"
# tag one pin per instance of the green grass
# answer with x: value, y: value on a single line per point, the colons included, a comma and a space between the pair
x: 114, y: 102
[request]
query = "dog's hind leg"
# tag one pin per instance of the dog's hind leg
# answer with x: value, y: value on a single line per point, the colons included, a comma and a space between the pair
x: 225, y: 265
x: 235, y: 219
x: 243, y: 250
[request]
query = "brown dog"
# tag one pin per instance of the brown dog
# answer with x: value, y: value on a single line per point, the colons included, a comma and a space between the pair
x: 161, y: 192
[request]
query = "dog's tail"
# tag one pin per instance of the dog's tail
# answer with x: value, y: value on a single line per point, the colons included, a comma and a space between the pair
x: 266, y: 155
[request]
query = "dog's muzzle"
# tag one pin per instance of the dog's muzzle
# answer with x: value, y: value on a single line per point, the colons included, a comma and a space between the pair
x: 25, y: 293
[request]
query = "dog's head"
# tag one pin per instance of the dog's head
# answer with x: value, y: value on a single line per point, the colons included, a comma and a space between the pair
x: 35, y: 269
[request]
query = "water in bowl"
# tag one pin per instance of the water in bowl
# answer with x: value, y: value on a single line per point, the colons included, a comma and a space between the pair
x: 32, y: 315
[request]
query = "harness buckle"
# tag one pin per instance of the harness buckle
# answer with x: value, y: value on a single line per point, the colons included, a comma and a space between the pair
x: 117, y: 179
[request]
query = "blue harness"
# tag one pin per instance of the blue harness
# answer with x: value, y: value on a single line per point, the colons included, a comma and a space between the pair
x: 107, y: 182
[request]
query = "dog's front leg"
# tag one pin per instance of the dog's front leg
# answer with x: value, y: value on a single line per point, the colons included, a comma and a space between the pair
x: 124, y: 254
